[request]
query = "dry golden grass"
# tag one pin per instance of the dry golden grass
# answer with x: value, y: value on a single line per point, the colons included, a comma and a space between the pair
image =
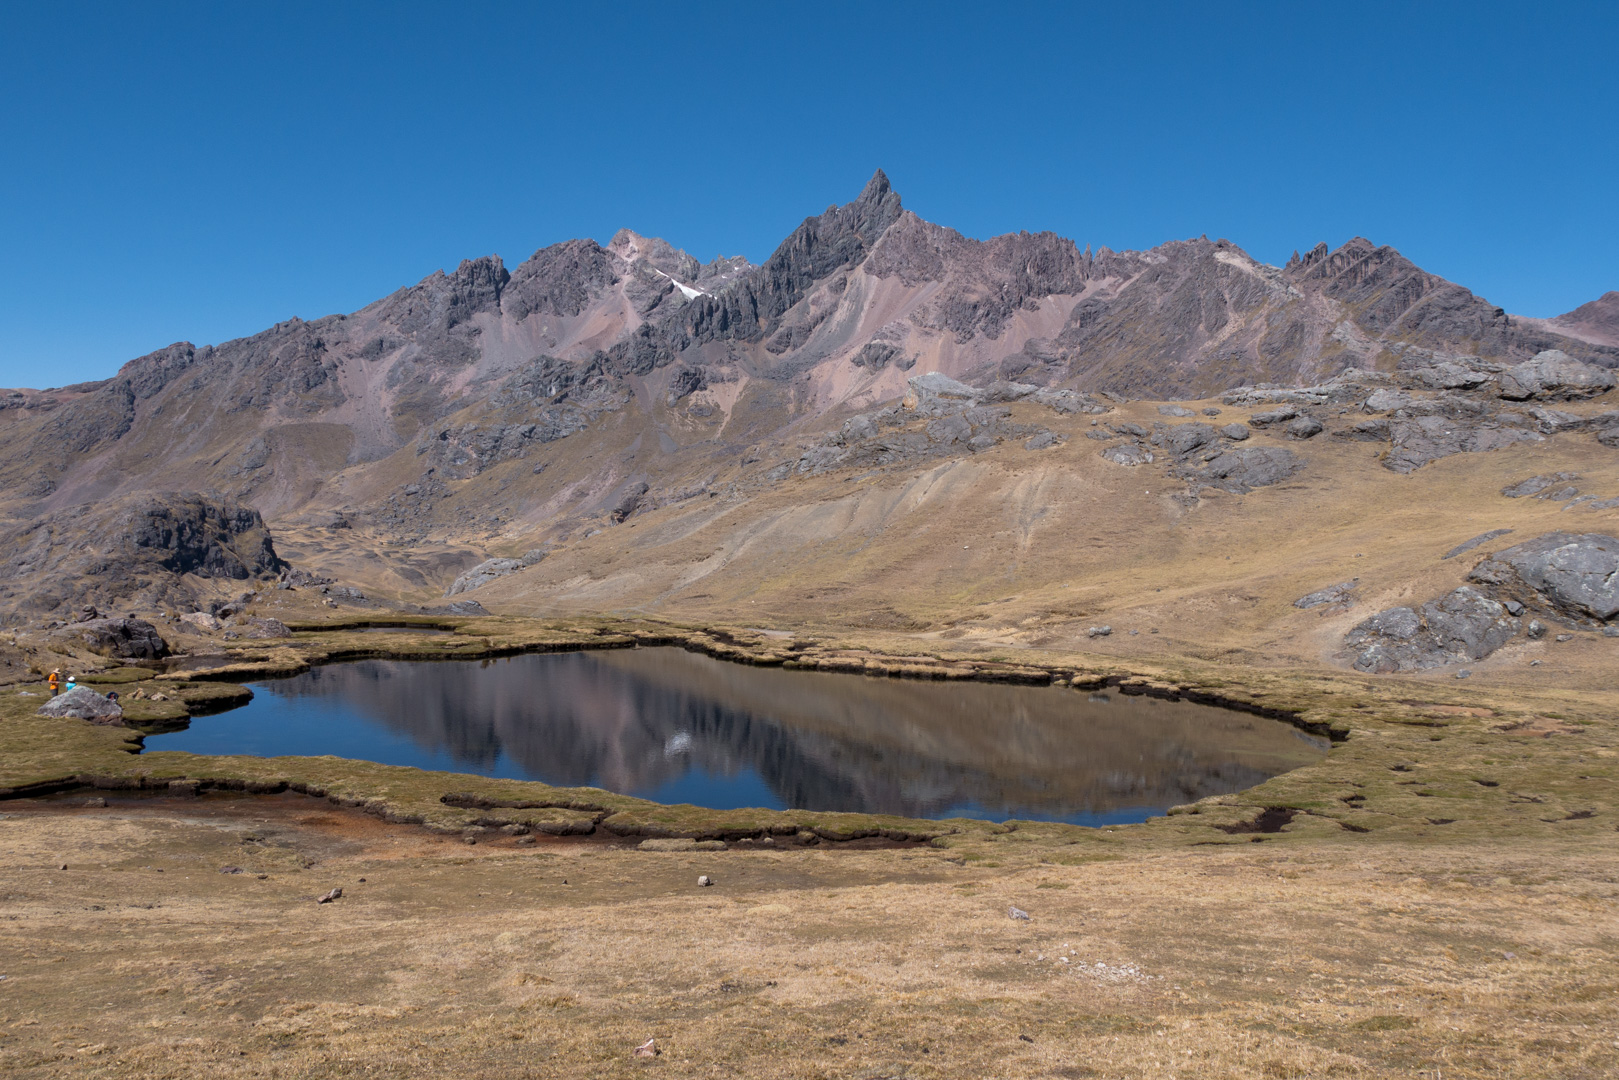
x: 1295, y: 958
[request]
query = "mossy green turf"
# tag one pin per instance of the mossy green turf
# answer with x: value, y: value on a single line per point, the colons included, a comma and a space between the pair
x: 1408, y: 763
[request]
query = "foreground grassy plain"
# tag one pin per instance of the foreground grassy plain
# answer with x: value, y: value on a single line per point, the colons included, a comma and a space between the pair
x: 1437, y: 897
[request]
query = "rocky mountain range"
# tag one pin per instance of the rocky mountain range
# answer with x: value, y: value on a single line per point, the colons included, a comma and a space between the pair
x: 487, y: 425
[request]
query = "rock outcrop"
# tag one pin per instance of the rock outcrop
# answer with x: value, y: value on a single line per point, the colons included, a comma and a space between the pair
x: 1571, y: 577
x: 1553, y: 375
x: 1340, y: 596
x: 1462, y: 625
x: 489, y: 570
x: 125, y: 639
x: 1568, y: 578
x: 138, y: 549
x: 83, y: 703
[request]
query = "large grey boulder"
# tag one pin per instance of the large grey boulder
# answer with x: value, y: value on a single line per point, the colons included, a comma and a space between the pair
x: 124, y: 639
x: 83, y: 703
x: 1182, y: 439
x: 1243, y: 468
x: 1461, y: 625
x: 1535, y: 485
x: 1606, y: 425
x: 483, y: 574
x: 1554, y: 375
x: 1384, y: 400
x: 490, y: 569
x: 935, y: 394
x: 256, y: 627
x: 1128, y: 455
x: 1339, y: 595
x: 1428, y: 438
x: 1274, y: 416
x: 1575, y: 576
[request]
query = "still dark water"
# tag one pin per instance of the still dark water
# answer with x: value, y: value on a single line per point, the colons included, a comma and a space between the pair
x: 678, y: 727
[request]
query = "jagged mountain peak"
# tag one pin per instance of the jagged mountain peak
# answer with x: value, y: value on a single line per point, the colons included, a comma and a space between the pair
x: 472, y: 368
x: 655, y: 252
x: 876, y: 189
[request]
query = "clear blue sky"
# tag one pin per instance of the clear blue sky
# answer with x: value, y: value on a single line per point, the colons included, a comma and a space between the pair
x: 175, y: 172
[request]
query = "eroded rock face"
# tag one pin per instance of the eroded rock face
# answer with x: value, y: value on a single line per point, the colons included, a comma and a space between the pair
x: 1553, y: 375
x: 125, y: 639
x: 132, y: 551
x: 83, y: 703
x: 1461, y: 625
x: 1574, y: 576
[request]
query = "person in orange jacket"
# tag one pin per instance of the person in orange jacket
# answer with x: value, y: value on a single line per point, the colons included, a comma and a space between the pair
x: 55, y: 681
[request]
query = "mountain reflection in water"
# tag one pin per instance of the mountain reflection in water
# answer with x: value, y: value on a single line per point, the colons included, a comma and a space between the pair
x: 666, y: 724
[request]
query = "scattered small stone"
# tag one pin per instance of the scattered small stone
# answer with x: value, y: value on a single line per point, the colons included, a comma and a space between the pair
x: 1026, y: 1038
x: 1099, y: 631
x: 362, y: 881
x: 648, y: 1049
x: 704, y: 880
x: 1017, y: 913
x: 469, y: 839
x: 335, y: 894
x: 62, y: 867
x: 1509, y: 956
x: 230, y: 869
x: 1534, y: 663
x: 524, y: 841
x: 1565, y: 637
x: 1464, y: 674
x: 98, y: 801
